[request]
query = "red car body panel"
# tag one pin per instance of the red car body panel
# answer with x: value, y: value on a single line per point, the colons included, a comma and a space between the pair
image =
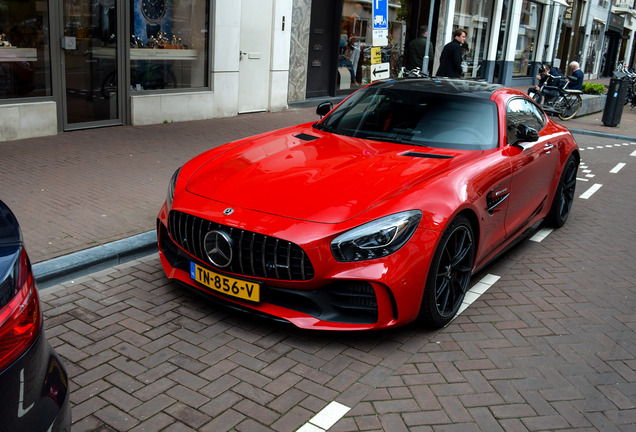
x: 311, y: 191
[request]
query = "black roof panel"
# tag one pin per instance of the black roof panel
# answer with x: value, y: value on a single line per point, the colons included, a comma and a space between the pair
x: 480, y: 89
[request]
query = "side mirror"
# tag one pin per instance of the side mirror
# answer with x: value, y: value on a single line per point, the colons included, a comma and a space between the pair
x: 526, y: 134
x: 324, y: 108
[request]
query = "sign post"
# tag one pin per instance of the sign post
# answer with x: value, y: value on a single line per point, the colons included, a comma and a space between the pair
x: 380, y: 22
x: 380, y: 70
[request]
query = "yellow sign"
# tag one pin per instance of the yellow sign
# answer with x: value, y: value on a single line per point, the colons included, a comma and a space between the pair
x: 376, y: 55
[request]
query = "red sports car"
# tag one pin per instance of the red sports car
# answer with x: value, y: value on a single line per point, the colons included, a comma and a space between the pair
x: 376, y: 215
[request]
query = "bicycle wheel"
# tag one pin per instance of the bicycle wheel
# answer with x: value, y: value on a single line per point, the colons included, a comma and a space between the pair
x: 571, y: 104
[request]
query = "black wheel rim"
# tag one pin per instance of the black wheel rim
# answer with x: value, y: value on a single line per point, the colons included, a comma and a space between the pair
x: 567, y: 191
x: 453, y: 272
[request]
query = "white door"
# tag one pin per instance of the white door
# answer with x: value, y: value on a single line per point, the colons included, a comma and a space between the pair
x: 256, y: 41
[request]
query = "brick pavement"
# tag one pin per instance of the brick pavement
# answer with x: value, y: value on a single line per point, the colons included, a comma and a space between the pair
x: 550, y: 346
x: 90, y: 187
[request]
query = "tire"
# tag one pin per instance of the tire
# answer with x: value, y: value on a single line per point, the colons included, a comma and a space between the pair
x: 571, y: 106
x: 564, y: 195
x: 449, y: 274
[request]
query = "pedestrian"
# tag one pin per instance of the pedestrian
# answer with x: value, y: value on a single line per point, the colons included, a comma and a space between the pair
x: 417, y: 50
x: 450, y: 61
x: 550, y: 76
x: 578, y: 74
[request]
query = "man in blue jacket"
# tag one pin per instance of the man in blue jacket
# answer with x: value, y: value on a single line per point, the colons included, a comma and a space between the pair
x: 578, y: 73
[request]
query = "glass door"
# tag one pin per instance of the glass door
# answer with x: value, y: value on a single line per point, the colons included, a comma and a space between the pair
x: 92, y: 65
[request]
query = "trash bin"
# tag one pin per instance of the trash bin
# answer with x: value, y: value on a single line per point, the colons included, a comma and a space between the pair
x: 615, y: 101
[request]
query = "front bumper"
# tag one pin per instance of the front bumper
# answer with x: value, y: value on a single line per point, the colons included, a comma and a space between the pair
x: 344, y: 304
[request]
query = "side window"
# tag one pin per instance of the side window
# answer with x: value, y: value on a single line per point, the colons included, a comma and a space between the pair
x: 522, y: 111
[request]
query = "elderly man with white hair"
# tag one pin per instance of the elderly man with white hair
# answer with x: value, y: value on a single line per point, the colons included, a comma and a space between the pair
x: 578, y: 73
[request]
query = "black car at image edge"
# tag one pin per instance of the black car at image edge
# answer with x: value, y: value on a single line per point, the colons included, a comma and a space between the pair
x: 34, y: 394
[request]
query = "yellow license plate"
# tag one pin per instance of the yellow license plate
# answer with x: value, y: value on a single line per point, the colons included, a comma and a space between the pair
x: 224, y: 284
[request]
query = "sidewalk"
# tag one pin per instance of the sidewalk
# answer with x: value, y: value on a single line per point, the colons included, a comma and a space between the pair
x: 78, y: 192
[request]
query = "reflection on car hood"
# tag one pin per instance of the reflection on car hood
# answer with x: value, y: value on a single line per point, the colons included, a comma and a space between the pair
x: 311, y: 175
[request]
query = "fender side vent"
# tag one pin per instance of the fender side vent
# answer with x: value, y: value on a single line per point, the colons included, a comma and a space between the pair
x: 306, y: 137
x: 428, y: 155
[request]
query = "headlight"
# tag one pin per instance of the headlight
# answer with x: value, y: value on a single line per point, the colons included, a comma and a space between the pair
x: 376, y: 239
x: 171, y: 187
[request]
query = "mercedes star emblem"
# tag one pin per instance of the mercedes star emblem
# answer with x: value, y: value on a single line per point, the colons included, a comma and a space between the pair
x: 218, y: 248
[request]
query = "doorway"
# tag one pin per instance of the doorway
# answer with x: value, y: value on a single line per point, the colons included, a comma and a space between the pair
x: 92, y: 65
x: 255, y: 49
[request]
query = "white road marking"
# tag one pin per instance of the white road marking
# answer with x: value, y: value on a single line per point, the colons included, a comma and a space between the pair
x: 582, y: 179
x: 476, y: 291
x: 590, y: 191
x: 617, y: 168
x: 326, y: 418
x: 633, y: 153
x: 541, y: 235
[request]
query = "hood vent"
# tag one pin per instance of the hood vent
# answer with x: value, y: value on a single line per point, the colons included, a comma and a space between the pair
x: 306, y: 137
x: 428, y: 155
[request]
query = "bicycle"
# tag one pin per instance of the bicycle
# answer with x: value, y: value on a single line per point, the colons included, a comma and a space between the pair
x: 413, y: 73
x: 566, y: 104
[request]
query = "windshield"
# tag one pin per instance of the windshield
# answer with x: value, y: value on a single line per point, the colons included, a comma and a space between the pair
x: 406, y: 115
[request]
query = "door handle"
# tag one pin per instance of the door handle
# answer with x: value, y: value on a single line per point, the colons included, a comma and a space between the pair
x: 241, y: 54
x: 548, y: 147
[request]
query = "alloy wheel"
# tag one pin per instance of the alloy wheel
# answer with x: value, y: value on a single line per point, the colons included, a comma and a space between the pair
x: 453, y: 271
x: 567, y: 190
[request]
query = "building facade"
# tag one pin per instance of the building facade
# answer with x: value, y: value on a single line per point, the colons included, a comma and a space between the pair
x: 73, y: 64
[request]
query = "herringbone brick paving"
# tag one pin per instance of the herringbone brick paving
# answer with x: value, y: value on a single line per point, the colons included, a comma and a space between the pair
x: 550, y: 346
x: 80, y: 189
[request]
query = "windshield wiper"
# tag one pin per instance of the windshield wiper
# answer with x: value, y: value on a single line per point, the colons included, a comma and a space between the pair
x: 388, y: 139
x: 324, y: 127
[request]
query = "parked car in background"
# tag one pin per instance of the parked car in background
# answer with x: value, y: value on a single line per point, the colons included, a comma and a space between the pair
x: 375, y: 216
x: 33, y: 381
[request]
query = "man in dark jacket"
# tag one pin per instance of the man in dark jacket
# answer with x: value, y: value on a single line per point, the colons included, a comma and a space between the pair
x: 578, y: 73
x: 417, y: 49
x: 450, y: 62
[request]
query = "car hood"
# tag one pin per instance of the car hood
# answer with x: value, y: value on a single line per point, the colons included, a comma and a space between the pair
x: 316, y: 176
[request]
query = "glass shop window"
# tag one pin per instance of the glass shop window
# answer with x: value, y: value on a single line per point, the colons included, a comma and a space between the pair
x: 25, y: 64
x: 594, y: 47
x: 474, y: 16
x: 525, y: 53
x: 356, y: 41
x: 168, y: 47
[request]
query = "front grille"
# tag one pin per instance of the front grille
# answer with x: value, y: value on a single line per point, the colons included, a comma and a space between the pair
x: 254, y: 254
